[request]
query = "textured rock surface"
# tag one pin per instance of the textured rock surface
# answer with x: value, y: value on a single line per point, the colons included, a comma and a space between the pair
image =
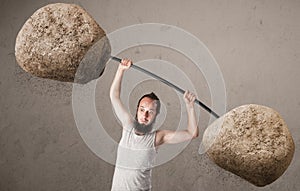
x: 54, y: 40
x: 251, y: 141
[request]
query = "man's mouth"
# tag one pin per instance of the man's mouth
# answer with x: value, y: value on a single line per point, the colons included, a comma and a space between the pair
x: 144, y: 121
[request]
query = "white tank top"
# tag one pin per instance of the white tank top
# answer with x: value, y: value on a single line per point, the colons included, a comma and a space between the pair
x: 135, y: 159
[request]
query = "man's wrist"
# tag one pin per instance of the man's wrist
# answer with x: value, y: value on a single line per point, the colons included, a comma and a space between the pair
x: 120, y: 69
x: 189, y: 106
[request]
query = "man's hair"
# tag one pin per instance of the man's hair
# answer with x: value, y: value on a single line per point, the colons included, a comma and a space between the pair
x: 153, y: 97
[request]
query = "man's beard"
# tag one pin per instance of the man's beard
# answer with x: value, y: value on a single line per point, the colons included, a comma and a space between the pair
x: 141, y: 128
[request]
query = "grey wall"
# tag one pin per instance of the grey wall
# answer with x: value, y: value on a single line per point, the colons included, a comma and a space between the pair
x: 255, y: 43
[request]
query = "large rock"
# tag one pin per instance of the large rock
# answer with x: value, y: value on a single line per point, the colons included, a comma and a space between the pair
x: 251, y: 141
x: 57, y: 38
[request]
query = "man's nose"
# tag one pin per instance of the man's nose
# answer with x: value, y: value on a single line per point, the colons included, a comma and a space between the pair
x: 146, y: 114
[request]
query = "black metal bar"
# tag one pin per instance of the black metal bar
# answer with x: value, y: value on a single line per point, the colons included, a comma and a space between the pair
x: 169, y: 84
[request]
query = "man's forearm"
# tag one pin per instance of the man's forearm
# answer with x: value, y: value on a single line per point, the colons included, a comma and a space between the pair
x: 192, y: 123
x: 115, y: 89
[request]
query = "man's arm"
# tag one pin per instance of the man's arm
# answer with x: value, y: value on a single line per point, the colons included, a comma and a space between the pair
x: 115, y: 91
x: 172, y: 137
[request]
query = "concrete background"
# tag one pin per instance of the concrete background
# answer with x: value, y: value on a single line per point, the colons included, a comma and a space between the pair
x: 255, y: 43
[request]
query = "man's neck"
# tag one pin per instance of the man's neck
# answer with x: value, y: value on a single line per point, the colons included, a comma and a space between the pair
x: 138, y: 133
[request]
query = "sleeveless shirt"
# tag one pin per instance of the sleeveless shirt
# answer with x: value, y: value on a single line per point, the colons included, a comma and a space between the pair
x: 135, y: 159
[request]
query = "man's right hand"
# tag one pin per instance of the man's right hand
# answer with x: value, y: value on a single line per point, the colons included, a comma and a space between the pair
x: 125, y: 64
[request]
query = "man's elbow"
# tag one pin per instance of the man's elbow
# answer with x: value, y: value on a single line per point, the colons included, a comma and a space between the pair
x: 113, y: 95
x: 195, y: 135
x: 111, y: 92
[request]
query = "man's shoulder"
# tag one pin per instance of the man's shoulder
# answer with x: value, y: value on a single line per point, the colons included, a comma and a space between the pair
x: 128, y: 125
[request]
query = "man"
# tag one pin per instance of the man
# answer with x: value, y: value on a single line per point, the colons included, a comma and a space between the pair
x: 139, y: 143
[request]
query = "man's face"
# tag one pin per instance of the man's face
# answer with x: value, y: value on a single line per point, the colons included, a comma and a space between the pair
x: 146, y: 112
